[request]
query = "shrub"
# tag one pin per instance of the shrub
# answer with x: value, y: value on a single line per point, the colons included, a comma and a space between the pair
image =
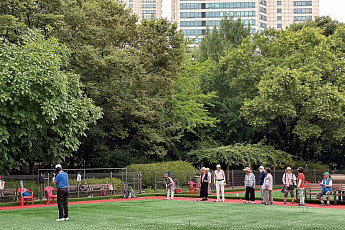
x: 180, y: 168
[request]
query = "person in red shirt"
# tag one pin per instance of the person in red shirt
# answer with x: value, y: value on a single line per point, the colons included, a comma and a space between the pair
x: 300, y: 185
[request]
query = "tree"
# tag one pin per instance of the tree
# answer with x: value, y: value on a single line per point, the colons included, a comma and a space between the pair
x: 129, y: 69
x: 43, y: 109
x: 301, y: 92
x: 218, y: 41
x: 241, y: 155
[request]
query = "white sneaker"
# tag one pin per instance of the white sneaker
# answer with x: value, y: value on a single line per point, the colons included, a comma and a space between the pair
x: 62, y: 219
x: 166, y: 199
x: 172, y: 198
x: 66, y: 219
x: 253, y: 202
x: 223, y: 201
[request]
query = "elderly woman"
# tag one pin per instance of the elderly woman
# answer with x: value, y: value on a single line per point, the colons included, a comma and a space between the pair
x: 170, y: 186
x: 204, y: 184
x: 289, y: 181
x: 249, y: 184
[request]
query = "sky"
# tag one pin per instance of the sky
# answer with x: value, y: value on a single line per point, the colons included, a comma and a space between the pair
x: 333, y: 8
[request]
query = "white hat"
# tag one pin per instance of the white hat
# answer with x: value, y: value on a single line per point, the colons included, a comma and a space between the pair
x: 247, y: 169
x: 58, y: 166
x: 218, y: 166
x: 261, y: 167
x: 203, y: 168
x: 288, y: 168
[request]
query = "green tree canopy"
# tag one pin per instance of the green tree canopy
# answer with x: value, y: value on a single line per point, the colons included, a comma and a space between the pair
x: 43, y: 109
x: 241, y: 155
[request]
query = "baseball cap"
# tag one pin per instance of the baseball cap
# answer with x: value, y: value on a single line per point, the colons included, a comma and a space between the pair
x: 288, y: 168
x: 58, y: 166
x: 203, y: 168
x: 261, y: 167
x: 218, y: 166
x: 326, y: 173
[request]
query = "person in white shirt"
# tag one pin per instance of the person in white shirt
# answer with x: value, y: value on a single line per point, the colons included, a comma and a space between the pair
x: 209, y: 180
x: 219, y: 181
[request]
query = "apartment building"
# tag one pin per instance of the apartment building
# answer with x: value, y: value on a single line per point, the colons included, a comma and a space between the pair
x: 145, y: 8
x: 193, y: 16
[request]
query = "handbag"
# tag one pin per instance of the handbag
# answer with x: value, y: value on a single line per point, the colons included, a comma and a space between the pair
x: 283, y: 189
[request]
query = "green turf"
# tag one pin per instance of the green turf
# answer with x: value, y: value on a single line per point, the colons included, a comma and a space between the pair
x: 159, y: 214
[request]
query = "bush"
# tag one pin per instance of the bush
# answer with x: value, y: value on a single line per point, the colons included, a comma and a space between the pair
x: 148, y: 171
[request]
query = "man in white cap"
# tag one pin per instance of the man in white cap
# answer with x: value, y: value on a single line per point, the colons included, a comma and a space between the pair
x: 219, y: 181
x: 61, y: 181
x: 261, y: 183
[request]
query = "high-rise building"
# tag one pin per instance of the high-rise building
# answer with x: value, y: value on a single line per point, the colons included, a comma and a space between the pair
x: 193, y: 16
x: 145, y: 8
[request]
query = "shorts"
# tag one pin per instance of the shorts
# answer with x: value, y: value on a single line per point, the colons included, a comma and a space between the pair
x: 320, y: 194
x: 288, y: 190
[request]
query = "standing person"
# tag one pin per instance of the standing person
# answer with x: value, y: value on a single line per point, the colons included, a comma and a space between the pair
x: 268, y: 185
x: 219, y: 181
x: 170, y: 186
x: 204, y: 184
x: 261, y: 183
x: 326, y: 189
x: 249, y: 184
x: 289, y: 181
x: 300, y: 186
x: 209, y: 180
x: 61, y: 181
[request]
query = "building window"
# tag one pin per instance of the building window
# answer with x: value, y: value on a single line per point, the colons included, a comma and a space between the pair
x: 279, y: 26
x: 279, y: 18
x: 302, y: 3
x: 279, y: 3
x: 131, y: 5
x: 130, y: 0
x: 302, y: 18
x: 279, y: 10
x: 303, y: 11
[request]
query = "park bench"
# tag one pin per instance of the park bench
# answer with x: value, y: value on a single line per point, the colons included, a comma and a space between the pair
x: 98, y: 188
x: 339, y: 191
x: 73, y: 189
x: 8, y: 193
x: 315, y: 188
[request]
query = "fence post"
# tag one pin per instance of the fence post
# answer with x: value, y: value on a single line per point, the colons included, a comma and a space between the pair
x: 111, y: 182
x: 314, y: 175
x: 155, y: 189
x: 232, y: 178
x: 274, y: 176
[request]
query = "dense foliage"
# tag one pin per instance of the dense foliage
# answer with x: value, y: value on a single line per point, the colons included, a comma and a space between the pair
x: 43, y: 109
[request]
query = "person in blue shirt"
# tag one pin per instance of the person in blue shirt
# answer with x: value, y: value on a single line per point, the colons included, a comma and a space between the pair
x: 261, y: 183
x: 61, y: 181
x: 326, y: 185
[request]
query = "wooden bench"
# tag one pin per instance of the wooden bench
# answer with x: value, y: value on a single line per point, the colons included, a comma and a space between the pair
x: 8, y: 193
x: 98, y: 188
x: 73, y: 189
x: 339, y: 191
x: 315, y: 188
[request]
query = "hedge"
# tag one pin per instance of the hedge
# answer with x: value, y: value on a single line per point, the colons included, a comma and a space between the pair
x: 148, y: 171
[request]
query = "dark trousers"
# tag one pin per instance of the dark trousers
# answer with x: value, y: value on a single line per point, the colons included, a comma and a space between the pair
x: 250, y: 194
x: 62, y: 197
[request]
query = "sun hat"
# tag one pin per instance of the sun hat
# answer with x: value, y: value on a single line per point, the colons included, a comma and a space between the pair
x: 166, y: 175
x: 218, y: 166
x: 288, y: 168
x: 58, y: 166
x: 326, y: 173
x: 203, y: 168
x: 262, y: 167
x: 247, y: 169
x: 207, y: 169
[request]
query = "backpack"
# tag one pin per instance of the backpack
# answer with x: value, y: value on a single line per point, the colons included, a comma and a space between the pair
x: 125, y: 194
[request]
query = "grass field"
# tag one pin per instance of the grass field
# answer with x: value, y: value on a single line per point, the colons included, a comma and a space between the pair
x: 160, y: 214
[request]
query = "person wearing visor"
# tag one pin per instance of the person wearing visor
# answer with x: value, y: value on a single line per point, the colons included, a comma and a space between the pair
x: 61, y: 181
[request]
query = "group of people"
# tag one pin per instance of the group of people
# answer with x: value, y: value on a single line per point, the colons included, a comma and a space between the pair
x: 289, y: 179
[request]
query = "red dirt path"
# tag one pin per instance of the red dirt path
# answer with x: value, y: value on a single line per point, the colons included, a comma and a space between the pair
x: 162, y: 198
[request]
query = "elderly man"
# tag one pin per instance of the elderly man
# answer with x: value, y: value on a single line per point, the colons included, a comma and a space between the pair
x: 219, y: 181
x: 261, y: 183
x: 61, y: 181
x: 204, y: 184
